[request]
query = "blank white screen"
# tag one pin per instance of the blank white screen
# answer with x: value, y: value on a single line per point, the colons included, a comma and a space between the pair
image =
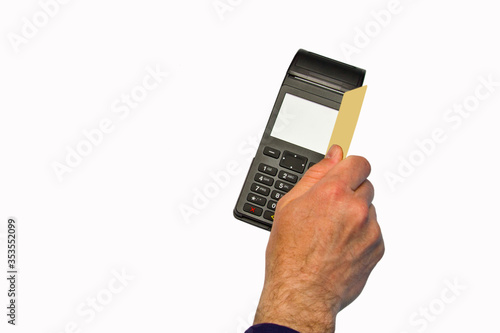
x: 305, y: 123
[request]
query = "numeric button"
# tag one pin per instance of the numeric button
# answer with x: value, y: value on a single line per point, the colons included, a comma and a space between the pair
x: 277, y: 195
x: 264, y: 179
x: 268, y: 169
x: 260, y: 189
x: 283, y: 186
x: 272, y: 204
x: 288, y: 176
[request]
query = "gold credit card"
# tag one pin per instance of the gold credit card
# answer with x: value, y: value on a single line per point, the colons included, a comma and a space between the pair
x: 352, y: 101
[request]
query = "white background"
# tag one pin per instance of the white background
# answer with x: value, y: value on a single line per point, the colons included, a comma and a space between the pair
x: 119, y: 210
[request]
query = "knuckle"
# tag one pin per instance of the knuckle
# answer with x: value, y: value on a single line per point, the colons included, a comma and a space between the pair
x: 360, y: 210
x: 381, y: 249
x: 363, y: 162
x: 375, y: 237
x: 366, y: 165
x: 370, y: 186
x: 376, y: 234
x: 336, y: 189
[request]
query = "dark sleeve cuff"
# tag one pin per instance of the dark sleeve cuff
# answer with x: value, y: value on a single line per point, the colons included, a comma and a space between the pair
x: 270, y: 328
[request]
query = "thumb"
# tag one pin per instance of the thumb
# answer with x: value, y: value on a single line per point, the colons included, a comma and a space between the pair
x: 314, y: 174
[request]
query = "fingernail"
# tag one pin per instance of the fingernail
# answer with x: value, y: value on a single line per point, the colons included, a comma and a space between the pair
x: 333, y: 151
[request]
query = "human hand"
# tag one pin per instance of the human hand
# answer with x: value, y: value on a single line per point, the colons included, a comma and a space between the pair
x: 323, y: 245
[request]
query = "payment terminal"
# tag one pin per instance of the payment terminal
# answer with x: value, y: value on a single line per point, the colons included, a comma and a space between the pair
x: 297, y: 134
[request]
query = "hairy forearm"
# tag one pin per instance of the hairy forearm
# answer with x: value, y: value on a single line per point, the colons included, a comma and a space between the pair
x: 290, y: 306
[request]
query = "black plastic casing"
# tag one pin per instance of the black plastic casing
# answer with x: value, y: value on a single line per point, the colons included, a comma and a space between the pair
x: 312, y: 77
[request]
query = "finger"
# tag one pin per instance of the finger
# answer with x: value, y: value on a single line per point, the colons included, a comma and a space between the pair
x: 375, y: 230
x: 366, y: 191
x: 378, y: 247
x: 319, y: 170
x: 314, y: 174
x: 372, y: 214
x: 353, y: 171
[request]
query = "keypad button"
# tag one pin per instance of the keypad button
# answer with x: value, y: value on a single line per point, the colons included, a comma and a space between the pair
x: 264, y: 179
x: 254, y: 198
x: 271, y: 152
x: 288, y: 176
x: 268, y: 169
x: 268, y: 215
x: 293, y: 161
x: 272, y: 204
x: 283, y: 186
x: 277, y: 195
x: 310, y: 164
x: 254, y: 210
x: 260, y: 189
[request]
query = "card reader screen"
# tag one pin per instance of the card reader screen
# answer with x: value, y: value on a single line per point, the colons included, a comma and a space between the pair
x: 305, y: 123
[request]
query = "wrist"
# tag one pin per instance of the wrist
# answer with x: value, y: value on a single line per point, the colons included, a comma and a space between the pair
x: 302, y: 309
